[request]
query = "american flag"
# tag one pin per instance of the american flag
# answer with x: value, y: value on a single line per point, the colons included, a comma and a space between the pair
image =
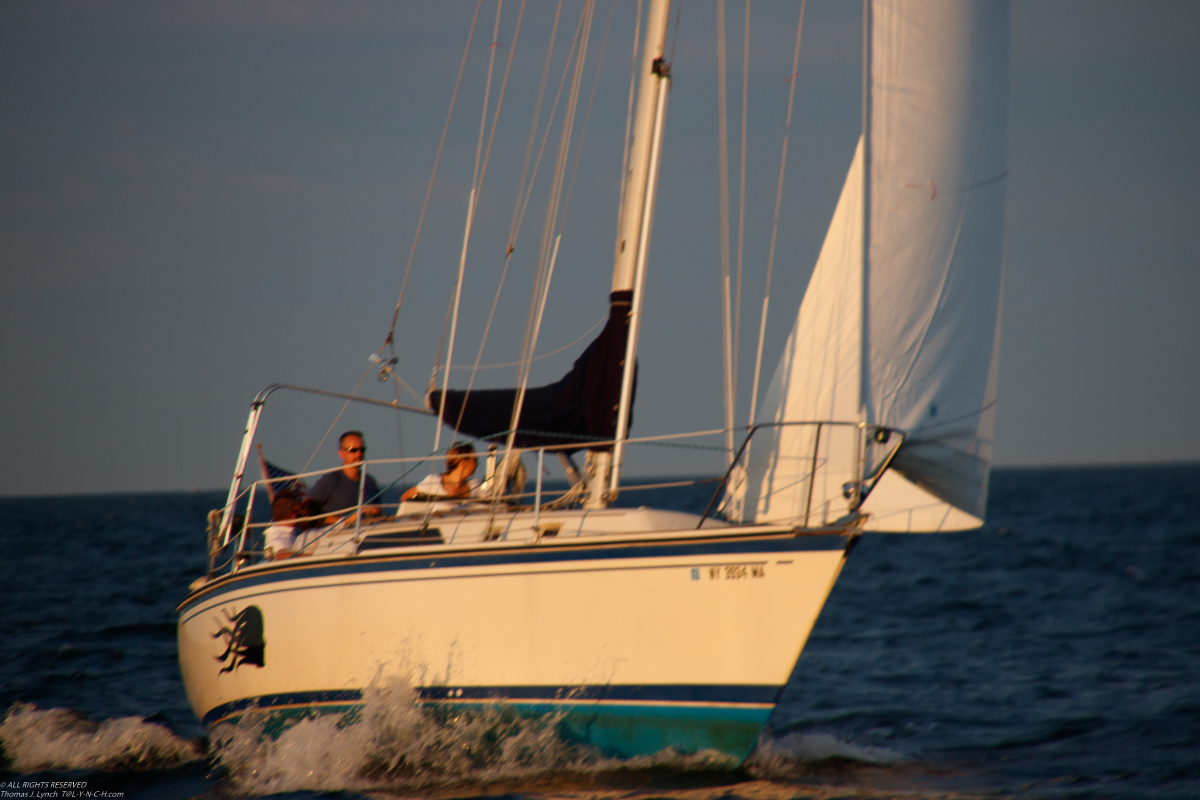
x: 271, y: 472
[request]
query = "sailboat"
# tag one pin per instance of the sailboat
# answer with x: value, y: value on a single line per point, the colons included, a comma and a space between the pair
x: 640, y: 629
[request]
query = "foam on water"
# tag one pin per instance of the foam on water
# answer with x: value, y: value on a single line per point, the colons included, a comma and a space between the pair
x: 395, y: 743
x: 60, y: 739
x: 398, y: 744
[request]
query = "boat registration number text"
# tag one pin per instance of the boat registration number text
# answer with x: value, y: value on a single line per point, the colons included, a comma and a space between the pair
x: 729, y: 572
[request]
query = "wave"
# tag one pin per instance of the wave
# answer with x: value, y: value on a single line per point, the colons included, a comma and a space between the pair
x: 393, y: 743
x: 37, y: 739
x: 784, y: 757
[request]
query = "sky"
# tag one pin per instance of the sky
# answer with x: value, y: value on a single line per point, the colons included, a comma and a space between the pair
x: 198, y: 199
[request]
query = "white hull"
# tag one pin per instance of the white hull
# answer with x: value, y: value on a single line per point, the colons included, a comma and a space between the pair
x: 680, y: 638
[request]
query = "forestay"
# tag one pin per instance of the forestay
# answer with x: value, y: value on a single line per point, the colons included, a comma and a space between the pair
x: 905, y: 335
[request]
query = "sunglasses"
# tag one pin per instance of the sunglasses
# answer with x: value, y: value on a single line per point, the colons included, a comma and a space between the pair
x: 355, y: 449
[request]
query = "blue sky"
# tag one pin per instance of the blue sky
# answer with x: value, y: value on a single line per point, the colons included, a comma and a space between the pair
x: 201, y: 198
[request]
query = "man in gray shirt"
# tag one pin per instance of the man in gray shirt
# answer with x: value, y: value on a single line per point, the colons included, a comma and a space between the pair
x: 337, y: 492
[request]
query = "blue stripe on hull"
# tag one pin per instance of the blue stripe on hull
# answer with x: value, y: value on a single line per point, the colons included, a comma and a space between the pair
x: 752, y: 694
x: 338, y: 700
x: 621, y: 721
x: 294, y: 569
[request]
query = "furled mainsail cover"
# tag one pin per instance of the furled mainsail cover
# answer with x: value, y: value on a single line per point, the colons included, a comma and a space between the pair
x: 580, y: 407
x: 936, y: 161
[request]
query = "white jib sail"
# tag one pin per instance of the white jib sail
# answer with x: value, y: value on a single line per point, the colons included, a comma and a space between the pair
x: 927, y: 294
x: 818, y: 378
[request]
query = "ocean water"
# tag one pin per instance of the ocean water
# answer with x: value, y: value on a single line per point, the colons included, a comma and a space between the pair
x: 1055, y: 653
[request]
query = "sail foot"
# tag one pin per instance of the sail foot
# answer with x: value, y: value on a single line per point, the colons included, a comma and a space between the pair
x: 952, y: 474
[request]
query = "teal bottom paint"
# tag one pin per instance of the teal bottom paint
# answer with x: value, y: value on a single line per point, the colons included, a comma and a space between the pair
x: 620, y: 731
x: 628, y: 731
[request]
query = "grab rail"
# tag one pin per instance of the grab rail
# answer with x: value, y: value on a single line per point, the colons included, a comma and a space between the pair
x: 859, y: 487
x: 222, y: 525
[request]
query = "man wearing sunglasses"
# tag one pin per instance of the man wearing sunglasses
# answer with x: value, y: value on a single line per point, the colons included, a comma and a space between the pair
x: 336, y: 493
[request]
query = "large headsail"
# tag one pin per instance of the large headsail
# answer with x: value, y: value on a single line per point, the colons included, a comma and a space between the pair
x: 818, y: 378
x: 928, y: 285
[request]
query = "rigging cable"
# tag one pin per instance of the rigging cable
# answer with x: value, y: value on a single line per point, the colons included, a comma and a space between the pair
x: 518, y: 211
x: 549, y: 123
x: 762, y: 326
x: 390, y: 339
x: 546, y: 255
x: 518, y: 216
x: 675, y: 36
x: 335, y: 419
x: 503, y: 88
x: 452, y: 315
x: 587, y: 115
x: 737, y: 301
x: 496, y: 299
x: 723, y: 180
x: 543, y: 356
x: 515, y: 225
x: 476, y: 187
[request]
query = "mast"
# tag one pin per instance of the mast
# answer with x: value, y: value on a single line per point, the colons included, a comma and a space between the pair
x: 633, y: 241
x: 865, y: 386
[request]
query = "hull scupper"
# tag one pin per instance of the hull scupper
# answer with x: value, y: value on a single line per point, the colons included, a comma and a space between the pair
x: 679, y: 636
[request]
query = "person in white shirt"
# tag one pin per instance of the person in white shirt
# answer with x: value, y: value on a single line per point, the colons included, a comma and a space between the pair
x: 283, y: 539
x: 455, y: 483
